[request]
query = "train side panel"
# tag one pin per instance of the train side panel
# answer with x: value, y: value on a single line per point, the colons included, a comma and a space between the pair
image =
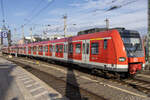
x: 120, y: 52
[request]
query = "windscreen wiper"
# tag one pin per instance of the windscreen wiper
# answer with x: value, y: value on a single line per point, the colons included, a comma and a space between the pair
x: 136, y: 48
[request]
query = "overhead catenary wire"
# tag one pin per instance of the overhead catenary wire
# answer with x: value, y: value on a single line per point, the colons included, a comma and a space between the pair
x: 34, y: 9
x: 114, y: 7
x: 123, y: 3
x: 37, y: 14
x: 114, y: 2
x: 105, y: 10
x: 119, y: 6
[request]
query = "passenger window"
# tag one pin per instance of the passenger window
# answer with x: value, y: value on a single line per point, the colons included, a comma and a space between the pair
x: 94, y: 48
x: 105, y: 44
x: 70, y: 48
x: 46, y: 48
x: 64, y: 48
x: 78, y: 48
x: 29, y: 49
x: 50, y: 48
x: 56, y: 48
x: 34, y: 49
x: 87, y: 48
x: 83, y: 48
x: 60, y: 48
x: 40, y: 49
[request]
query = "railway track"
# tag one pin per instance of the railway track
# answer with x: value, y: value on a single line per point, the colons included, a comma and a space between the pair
x: 140, y: 85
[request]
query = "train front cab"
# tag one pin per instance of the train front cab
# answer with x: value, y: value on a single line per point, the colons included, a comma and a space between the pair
x: 131, y: 52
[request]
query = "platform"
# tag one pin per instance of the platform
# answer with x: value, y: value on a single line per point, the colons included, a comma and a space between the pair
x: 18, y: 84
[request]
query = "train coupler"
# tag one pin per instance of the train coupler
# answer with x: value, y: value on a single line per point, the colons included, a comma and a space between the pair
x: 134, y: 68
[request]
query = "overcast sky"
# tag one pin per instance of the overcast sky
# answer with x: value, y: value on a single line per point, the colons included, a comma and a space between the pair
x: 82, y: 14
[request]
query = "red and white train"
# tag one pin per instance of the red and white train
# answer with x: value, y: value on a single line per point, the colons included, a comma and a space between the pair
x: 115, y: 50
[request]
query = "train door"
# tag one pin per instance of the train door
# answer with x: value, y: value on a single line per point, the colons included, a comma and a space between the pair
x: 105, y: 53
x: 66, y: 51
x: 85, y: 50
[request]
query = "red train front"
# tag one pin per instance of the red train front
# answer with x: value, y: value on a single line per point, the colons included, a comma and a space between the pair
x: 135, y: 55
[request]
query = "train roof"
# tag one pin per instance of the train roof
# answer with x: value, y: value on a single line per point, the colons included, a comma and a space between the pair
x: 128, y: 33
x: 102, y: 32
x: 73, y: 38
x: 93, y: 30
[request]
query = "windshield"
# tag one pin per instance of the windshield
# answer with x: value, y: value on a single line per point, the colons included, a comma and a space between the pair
x: 132, y: 44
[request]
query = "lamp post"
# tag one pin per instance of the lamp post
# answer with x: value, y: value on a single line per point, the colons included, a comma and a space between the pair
x: 107, y: 23
x: 65, y: 25
x: 31, y: 34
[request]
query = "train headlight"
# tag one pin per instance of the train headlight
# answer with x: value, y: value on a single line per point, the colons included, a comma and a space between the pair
x: 122, y: 59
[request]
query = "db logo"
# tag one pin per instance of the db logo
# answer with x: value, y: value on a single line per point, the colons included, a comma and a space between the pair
x: 135, y: 59
x: 3, y: 34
